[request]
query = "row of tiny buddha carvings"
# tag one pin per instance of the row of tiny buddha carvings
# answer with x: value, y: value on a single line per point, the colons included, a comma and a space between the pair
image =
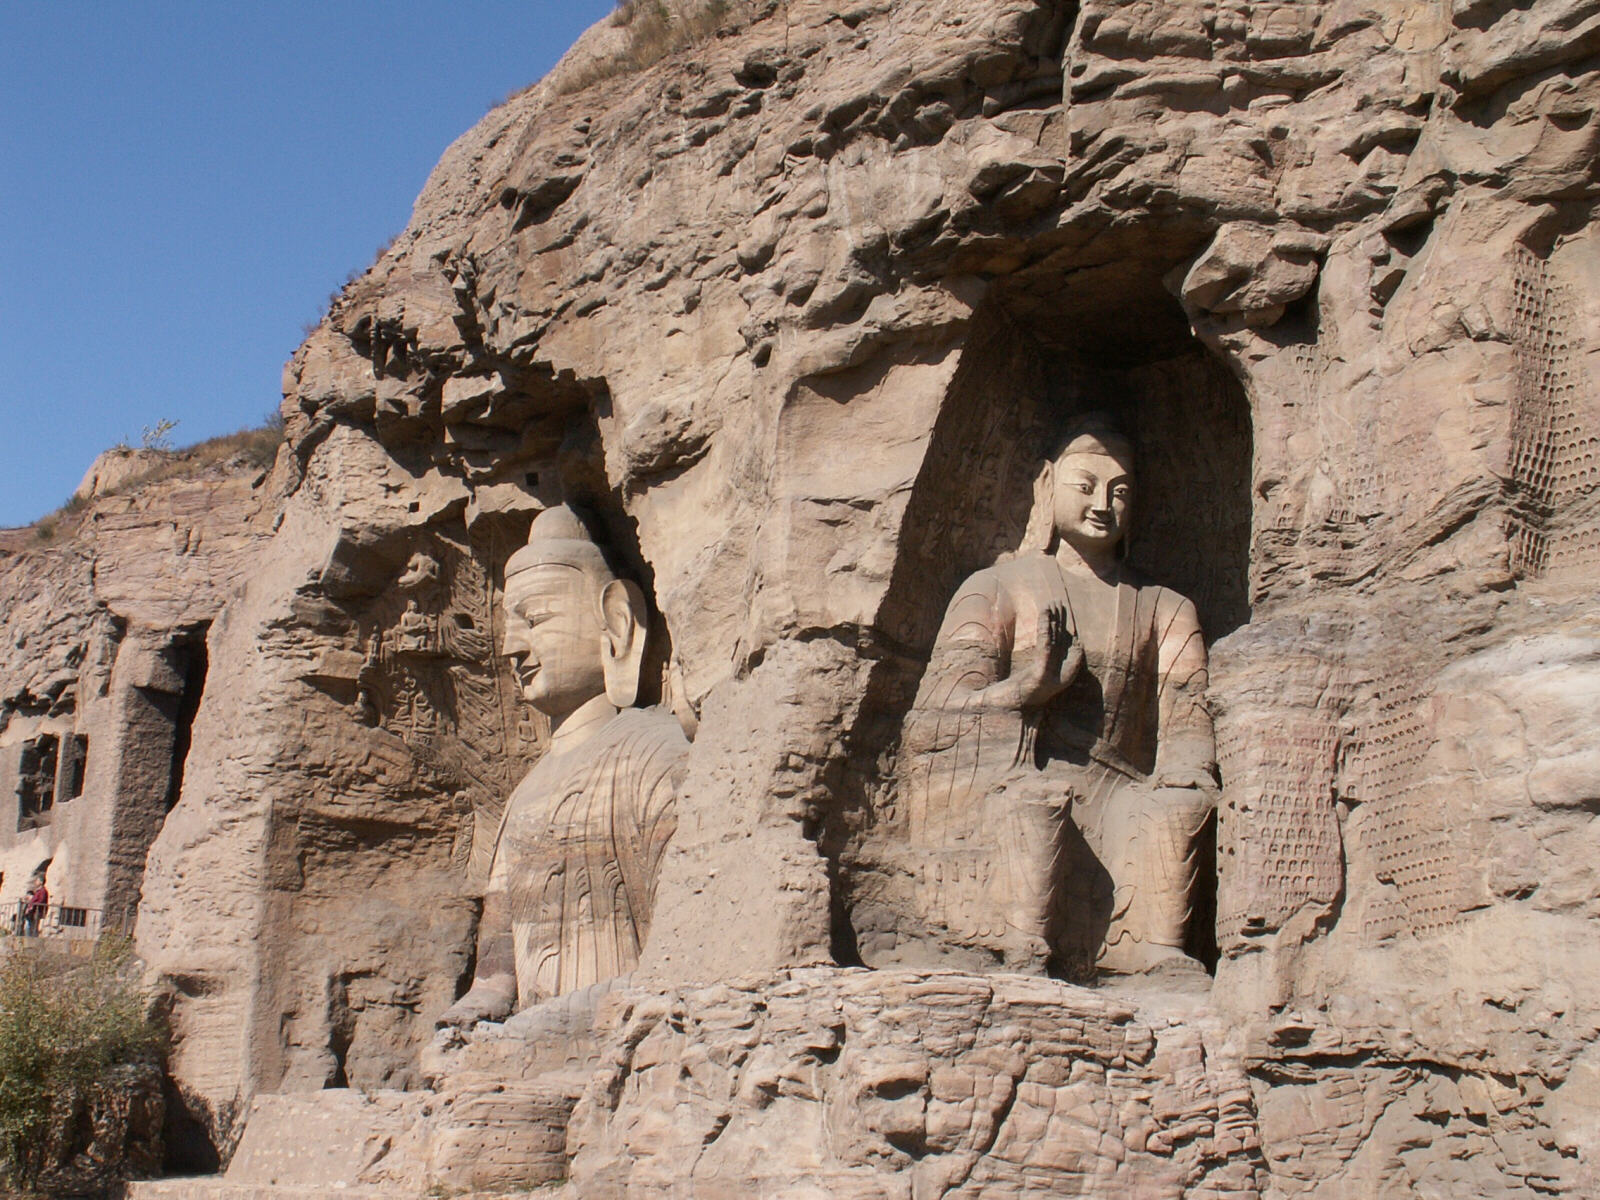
x: 1059, y: 760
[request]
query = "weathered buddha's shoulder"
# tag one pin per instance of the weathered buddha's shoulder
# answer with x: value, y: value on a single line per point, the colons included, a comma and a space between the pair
x: 1164, y: 603
x: 1024, y: 574
x: 647, y: 730
x: 990, y: 598
x: 1028, y: 571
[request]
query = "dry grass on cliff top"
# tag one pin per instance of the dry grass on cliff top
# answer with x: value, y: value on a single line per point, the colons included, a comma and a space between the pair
x: 651, y: 30
x: 254, y: 448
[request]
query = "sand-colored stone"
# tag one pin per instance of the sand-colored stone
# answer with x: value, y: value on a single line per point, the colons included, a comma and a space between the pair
x: 897, y: 1083
x: 1058, y: 766
x: 106, y: 610
x: 795, y: 308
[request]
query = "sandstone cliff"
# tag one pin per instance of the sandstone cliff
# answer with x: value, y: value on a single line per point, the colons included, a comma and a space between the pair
x: 105, y: 607
x: 794, y: 307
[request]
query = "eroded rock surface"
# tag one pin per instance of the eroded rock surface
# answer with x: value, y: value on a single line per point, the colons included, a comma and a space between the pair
x: 105, y: 609
x: 899, y: 1084
x: 795, y: 308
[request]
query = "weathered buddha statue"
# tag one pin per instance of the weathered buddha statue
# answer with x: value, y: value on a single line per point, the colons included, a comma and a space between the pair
x: 573, y: 876
x: 1059, y: 761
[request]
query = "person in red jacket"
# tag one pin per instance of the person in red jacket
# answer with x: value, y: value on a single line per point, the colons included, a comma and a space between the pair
x: 34, y: 908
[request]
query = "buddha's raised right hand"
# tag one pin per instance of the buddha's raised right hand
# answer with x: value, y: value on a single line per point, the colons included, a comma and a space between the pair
x: 1054, y: 663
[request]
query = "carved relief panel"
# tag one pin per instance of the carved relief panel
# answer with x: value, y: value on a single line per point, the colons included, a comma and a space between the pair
x: 431, y: 674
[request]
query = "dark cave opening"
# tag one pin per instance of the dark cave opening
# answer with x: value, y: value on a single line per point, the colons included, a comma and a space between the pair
x: 192, y: 661
x: 36, y: 781
x: 187, y: 1145
x: 74, y: 763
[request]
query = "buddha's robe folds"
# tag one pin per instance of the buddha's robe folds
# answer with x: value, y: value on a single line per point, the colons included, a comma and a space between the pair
x: 579, y: 853
x: 1039, y: 835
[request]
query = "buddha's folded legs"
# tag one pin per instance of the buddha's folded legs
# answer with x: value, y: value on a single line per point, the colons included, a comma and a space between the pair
x: 1146, y: 839
x: 1030, y: 823
x: 987, y: 891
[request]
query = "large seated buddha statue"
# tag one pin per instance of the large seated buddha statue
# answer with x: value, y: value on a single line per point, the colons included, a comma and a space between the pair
x: 1059, y: 762
x: 573, y: 876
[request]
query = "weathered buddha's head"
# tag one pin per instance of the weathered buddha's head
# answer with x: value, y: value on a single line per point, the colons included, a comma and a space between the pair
x: 1084, y: 494
x: 574, y: 629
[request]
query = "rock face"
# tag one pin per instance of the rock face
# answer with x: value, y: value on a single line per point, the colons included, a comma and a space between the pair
x: 795, y: 300
x: 103, y: 667
x: 901, y: 1084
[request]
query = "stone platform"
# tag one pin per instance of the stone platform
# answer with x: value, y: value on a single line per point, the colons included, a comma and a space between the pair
x: 214, y: 1187
x: 822, y: 1084
x: 480, y: 1138
x: 899, y: 1085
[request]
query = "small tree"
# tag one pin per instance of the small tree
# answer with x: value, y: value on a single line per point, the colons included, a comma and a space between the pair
x: 158, y: 436
x: 63, y: 1032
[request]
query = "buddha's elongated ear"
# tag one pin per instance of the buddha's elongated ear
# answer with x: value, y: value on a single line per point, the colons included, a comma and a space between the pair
x: 1041, y: 530
x: 626, y: 621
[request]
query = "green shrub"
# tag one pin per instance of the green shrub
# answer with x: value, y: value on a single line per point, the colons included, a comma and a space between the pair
x: 64, y: 1030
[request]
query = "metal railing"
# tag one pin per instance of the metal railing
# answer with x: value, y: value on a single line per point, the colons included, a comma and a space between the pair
x: 65, y: 922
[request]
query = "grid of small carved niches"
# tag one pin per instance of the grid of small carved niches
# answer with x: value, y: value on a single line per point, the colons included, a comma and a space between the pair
x: 1425, y: 889
x: 1280, y: 837
x: 1573, y: 538
x: 1309, y: 361
x: 1364, y: 490
x: 1575, y: 463
x: 1555, y: 445
x: 1576, y: 547
x: 1530, y: 549
x: 1359, y: 483
x: 1349, y: 460
x: 1400, y: 819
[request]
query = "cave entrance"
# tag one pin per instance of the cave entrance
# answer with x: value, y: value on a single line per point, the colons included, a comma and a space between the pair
x: 154, y: 738
x: 189, y: 658
x: 74, y: 763
x: 36, y: 781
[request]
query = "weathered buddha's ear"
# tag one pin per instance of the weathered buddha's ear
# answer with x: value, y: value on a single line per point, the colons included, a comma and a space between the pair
x: 1042, y: 518
x: 626, y: 621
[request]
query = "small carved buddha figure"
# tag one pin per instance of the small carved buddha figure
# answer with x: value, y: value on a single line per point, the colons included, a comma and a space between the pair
x: 573, y: 877
x: 1059, y: 762
x: 415, y: 630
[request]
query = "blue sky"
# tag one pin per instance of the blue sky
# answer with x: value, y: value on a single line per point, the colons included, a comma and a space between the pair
x: 182, y: 185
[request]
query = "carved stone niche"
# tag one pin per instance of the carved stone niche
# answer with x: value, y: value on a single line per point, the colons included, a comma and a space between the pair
x: 1020, y: 386
x: 421, y: 738
x: 419, y: 743
x: 36, y: 781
